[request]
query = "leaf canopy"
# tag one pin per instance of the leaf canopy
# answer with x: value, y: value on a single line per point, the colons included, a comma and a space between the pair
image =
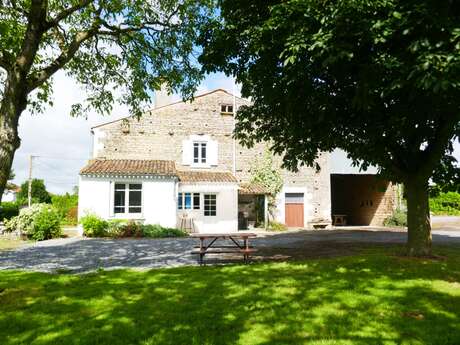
x: 378, y: 79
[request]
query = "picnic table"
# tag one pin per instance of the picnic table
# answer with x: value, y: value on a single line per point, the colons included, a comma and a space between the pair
x: 239, y: 244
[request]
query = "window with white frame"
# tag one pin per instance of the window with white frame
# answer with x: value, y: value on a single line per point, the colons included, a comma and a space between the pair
x: 188, y: 201
x: 226, y: 109
x: 127, y: 198
x: 200, y: 152
x: 210, y: 204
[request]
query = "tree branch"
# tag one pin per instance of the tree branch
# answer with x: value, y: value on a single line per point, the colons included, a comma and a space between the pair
x: 66, y: 55
x: 34, y: 32
x: 438, y: 146
x: 6, y: 60
x: 66, y: 13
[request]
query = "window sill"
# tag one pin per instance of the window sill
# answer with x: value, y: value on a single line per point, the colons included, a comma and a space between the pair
x: 200, y: 166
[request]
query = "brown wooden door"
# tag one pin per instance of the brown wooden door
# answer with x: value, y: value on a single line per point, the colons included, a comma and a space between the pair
x: 294, y: 210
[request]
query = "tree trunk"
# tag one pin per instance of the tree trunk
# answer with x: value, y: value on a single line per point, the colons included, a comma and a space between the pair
x: 11, y: 107
x: 418, y: 217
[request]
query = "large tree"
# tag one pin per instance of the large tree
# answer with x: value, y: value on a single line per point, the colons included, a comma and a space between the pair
x: 378, y: 79
x: 111, y: 47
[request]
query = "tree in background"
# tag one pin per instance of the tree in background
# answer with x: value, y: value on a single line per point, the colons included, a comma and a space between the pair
x: 66, y: 205
x: 378, y: 79
x: 39, y: 192
x: 128, y: 47
x: 265, y: 173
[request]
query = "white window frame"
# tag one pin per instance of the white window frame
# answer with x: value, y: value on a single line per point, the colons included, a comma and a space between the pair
x: 200, y: 145
x: 127, y: 203
x: 224, y: 109
x: 204, y: 204
x: 181, y: 206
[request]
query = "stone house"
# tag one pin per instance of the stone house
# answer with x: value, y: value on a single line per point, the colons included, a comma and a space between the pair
x: 179, y: 166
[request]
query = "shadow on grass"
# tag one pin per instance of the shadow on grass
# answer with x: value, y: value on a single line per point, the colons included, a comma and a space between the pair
x: 371, y: 299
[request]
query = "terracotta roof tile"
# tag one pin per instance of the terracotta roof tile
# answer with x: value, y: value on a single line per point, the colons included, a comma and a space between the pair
x: 206, y: 176
x: 129, y: 167
x: 252, y: 189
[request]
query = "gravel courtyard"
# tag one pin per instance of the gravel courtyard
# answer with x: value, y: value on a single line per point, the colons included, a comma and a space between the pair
x: 84, y: 254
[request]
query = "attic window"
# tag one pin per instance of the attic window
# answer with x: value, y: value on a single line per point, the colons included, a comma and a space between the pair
x: 226, y: 109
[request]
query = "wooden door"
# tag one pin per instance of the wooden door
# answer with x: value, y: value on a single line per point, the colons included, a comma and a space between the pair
x: 294, y: 210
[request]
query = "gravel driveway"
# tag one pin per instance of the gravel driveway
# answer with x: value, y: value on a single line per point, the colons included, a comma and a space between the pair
x: 83, y: 254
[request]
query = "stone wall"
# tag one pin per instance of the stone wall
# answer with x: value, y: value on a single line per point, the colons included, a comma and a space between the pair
x: 159, y: 133
x: 365, y: 199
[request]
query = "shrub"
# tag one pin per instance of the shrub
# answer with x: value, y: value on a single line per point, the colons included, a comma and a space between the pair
x: 8, y: 210
x: 47, y: 224
x: 446, y: 204
x: 39, y: 222
x: 398, y: 218
x: 157, y: 231
x: 275, y: 226
x: 67, y: 207
x: 93, y: 225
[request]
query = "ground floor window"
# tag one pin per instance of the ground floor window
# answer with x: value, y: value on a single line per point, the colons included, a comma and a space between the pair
x: 187, y: 201
x: 210, y: 205
x: 127, y: 198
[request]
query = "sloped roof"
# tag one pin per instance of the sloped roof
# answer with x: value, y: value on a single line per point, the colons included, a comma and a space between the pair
x: 135, y: 167
x: 206, y: 176
x: 252, y: 189
x: 129, y: 167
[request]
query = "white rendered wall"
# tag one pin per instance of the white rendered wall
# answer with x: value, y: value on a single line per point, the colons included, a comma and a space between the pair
x: 9, y: 196
x: 158, y: 200
x: 226, y: 219
x: 308, y: 211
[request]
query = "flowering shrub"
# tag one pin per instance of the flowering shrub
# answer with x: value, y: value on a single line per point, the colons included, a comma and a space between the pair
x: 38, y: 222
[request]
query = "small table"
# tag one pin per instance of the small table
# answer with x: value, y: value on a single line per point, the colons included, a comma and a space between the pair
x: 339, y: 219
x: 235, y: 237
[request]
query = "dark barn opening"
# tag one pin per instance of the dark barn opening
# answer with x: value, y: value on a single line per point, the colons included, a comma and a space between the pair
x: 364, y: 199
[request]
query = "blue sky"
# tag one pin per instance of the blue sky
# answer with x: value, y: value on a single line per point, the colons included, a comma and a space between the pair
x: 62, y: 144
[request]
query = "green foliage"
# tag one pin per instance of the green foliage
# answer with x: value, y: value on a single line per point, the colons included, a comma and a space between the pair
x: 93, y: 41
x: 157, y: 231
x: 276, y: 226
x: 93, y: 225
x: 374, y: 78
x: 39, y: 192
x: 38, y: 222
x: 398, y: 218
x: 67, y: 206
x: 47, y: 224
x: 266, y: 174
x: 8, y: 210
x: 446, y: 204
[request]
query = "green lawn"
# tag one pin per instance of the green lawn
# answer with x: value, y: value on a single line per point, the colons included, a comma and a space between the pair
x: 372, y: 298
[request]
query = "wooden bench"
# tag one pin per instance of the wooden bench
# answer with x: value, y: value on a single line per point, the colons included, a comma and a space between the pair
x: 211, y: 248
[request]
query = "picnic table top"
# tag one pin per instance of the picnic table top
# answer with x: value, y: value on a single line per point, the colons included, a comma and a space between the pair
x: 224, y: 234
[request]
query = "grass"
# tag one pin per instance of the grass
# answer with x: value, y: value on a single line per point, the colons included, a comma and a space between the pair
x: 371, y: 298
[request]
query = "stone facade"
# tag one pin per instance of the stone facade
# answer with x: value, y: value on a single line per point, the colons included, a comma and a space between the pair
x: 159, y: 134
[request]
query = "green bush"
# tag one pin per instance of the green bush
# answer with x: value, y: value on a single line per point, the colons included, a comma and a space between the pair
x: 93, y: 225
x: 157, y: 231
x: 446, y: 204
x: 39, y: 222
x: 47, y: 224
x: 398, y: 218
x: 8, y: 210
x: 275, y: 226
x: 67, y: 207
